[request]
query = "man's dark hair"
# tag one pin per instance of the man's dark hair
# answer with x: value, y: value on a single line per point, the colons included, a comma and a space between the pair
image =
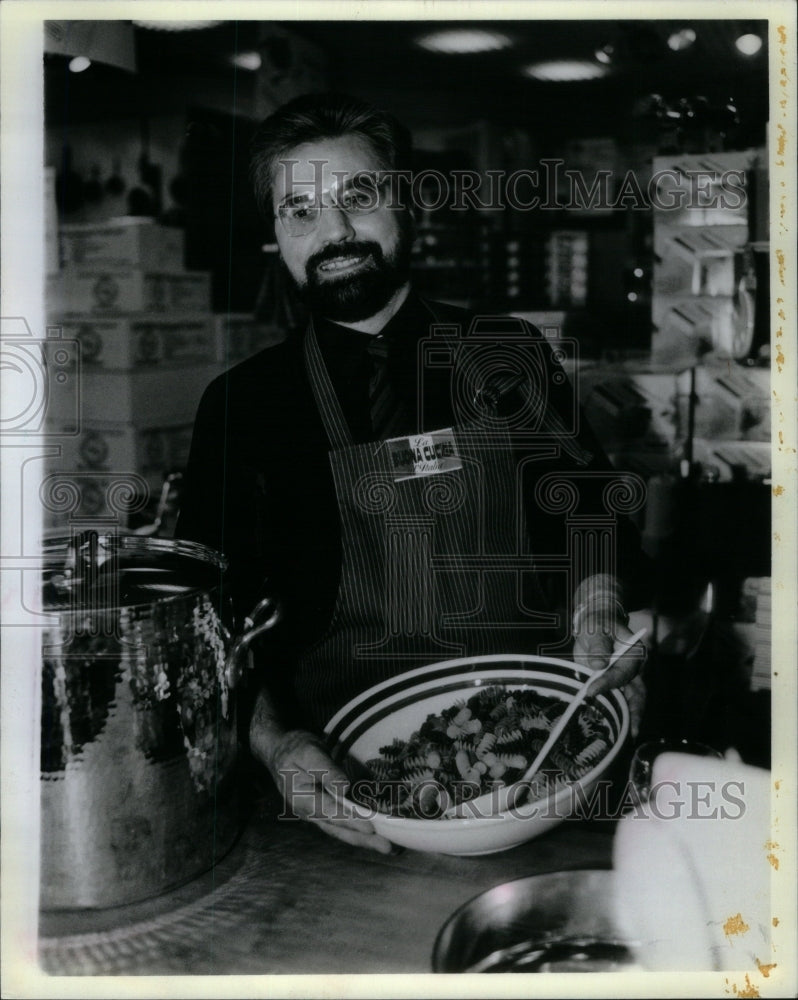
x: 323, y: 116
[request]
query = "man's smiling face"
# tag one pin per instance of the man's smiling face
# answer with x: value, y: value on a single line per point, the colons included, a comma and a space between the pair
x: 347, y: 265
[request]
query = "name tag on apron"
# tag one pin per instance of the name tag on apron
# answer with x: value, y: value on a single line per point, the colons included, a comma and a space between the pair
x: 423, y: 455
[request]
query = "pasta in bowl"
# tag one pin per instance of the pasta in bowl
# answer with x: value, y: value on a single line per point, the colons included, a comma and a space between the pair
x: 443, y: 734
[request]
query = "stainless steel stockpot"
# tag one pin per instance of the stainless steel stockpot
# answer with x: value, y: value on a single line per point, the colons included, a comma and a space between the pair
x: 139, y: 742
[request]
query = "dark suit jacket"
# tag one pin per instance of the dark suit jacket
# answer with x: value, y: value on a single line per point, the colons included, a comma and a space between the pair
x: 258, y: 485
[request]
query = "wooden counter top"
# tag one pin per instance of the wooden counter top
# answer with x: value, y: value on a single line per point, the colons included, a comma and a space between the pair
x: 288, y: 899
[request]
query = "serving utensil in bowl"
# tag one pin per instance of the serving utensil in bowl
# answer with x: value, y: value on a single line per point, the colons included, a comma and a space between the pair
x: 515, y: 791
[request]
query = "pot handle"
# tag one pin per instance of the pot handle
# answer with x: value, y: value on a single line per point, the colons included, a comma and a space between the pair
x: 263, y: 616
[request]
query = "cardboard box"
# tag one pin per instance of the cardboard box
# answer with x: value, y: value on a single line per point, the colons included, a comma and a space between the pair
x: 151, y: 452
x: 634, y: 409
x: 147, y: 398
x: 709, y: 189
x: 91, y: 291
x: 240, y: 335
x: 732, y: 459
x: 137, y: 341
x: 123, y: 243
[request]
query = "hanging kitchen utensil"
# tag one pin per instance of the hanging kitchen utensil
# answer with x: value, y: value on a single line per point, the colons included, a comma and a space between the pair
x: 115, y: 185
x: 145, y: 198
x: 68, y: 185
x: 93, y: 188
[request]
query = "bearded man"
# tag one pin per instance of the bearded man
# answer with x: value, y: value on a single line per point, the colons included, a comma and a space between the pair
x: 359, y: 467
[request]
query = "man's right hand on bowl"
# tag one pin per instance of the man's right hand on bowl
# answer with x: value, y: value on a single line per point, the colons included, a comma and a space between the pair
x: 311, y: 784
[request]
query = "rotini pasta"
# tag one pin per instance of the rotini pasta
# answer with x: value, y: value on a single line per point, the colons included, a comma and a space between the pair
x: 488, y: 740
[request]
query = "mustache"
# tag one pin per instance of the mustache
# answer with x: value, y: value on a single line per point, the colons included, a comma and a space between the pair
x: 356, y: 247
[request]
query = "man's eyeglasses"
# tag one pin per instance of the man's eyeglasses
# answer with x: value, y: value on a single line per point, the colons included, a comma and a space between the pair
x: 300, y: 212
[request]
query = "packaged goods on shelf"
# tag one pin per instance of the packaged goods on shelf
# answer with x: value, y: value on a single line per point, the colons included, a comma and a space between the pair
x: 128, y: 241
x: 128, y: 342
x: 731, y: 460
x: 566, y: 268
x: 646, y: 462
x: 52, y: 256
x: 111, y: 290
x: 147, y: 398
x: 703, y: 296
x: 123, y: 447
x: 240, y: 335
x: 709, y: 250
x: 630, y: 407
x: 733, y: 403
x: 754, y: 628
x: 703, y: 189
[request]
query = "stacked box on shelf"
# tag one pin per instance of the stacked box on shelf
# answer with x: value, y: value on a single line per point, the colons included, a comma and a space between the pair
x: 631, y: 411
x: 726, y: 461
x: 701, y: 223
x: 134, y: 342
x: 705, y: 311
x: 238, y: 336
x: 125, y: 242
x: 754, y: 627
x: 146, y: 350
x: 732, y: 403
x: 113, y: 290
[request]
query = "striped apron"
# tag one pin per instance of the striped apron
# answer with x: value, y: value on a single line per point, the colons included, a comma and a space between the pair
x: 431, y: 563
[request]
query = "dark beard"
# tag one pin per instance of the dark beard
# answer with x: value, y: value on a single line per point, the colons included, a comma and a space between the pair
x: 355, y: 297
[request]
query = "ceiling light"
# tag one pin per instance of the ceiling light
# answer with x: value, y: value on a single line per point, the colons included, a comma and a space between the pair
x: 681, y: 40
x: 605, y: 54
x: 79, y: 63
x: 565, y: 70
x: 247, y: 60
x: 176, y: 25
x: 455, y: 41
x: 749, y: 45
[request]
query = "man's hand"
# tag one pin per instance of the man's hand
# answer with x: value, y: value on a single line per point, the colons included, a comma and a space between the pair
x: 594, y: 642
x: 312, y: 786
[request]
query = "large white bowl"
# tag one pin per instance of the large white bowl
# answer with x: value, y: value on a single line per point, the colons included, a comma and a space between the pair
x: 397, y: 707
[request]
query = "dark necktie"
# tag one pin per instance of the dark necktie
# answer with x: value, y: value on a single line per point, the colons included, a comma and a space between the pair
x: 387, y: 412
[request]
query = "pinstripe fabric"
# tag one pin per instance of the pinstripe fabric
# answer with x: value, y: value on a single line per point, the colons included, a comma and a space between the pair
x: 405, y: 596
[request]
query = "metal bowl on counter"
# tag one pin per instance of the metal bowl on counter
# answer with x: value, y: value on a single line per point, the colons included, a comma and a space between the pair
x: 557, y: 922
x: 138, y: 727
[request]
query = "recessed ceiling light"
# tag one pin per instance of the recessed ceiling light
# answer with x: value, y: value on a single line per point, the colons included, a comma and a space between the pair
x: 681, y: 39
x: 454, y: 41
x: 605, y: 54
x: 565, y: 71
x: 749, y: 44
x: 176, y: 25
x: 247, y: 60
x: 79, y: 64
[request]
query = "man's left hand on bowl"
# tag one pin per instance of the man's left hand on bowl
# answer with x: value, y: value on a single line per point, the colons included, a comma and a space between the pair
x: 600, y: 633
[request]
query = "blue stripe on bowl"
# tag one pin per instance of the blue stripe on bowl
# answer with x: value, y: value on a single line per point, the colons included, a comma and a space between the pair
x: 350, y: 732
x: 421, y: 675
x: 384, y: 707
